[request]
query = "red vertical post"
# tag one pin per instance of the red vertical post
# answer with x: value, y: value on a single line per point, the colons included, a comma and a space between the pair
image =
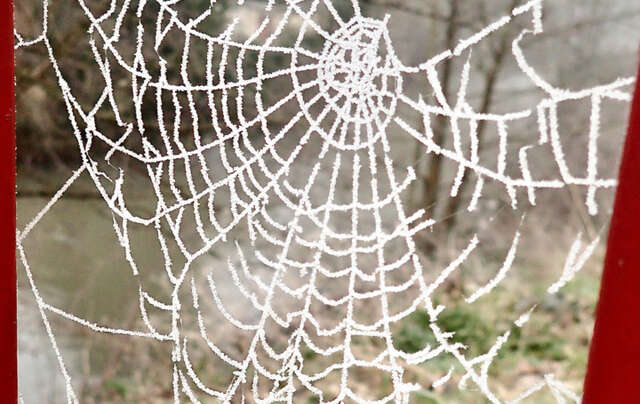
x: 8, y: 330
x: 613, y: 373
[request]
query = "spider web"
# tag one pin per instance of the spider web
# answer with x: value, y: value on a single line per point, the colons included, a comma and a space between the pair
x: 303, y: 198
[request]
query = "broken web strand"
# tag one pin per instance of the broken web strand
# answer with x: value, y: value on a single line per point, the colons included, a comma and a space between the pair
x: 241, y: 176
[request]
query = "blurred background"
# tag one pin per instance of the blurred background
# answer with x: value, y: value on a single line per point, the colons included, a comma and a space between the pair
x: 79, y: 264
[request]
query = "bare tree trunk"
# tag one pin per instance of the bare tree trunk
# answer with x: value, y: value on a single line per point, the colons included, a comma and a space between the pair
x: 491, y: 79
x: 431, y: 178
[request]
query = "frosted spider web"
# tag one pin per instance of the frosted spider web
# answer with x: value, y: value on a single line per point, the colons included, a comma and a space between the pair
x: 290, y: 234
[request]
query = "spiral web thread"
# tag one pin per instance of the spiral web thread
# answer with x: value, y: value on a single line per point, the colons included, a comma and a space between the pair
x: 301, y: 234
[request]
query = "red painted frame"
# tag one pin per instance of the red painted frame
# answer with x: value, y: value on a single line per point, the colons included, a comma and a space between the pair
x: 613, y: 373
x: 8, y: 325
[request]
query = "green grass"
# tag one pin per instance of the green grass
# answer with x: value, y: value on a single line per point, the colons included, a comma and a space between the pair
x: 415, y: 332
